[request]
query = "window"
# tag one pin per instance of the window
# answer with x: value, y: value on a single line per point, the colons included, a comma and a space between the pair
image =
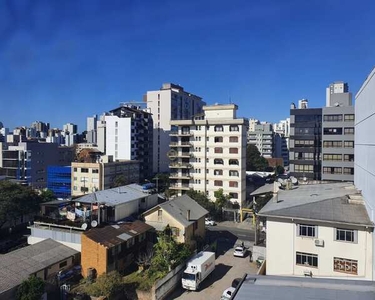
x: 233, y: 139
x: 218, y: 150
x: 303, y: 156
x: 333, y: 157
x: 233, y: 173
x: 332, y: 170
x: 84, y: 170
x: 304, y: 168
x: 348, y: 144
x: 233, y: 184
x: 84, y: 189
x: 84, y: 179
x: 175, y: 231
x: 332, y: 118
x: 304, y: 143
x: 75, y: 169
x: 218, y: 172
x: 233, y: 162
x: 75, y: 188
x: 333, y: 131
x: 95, y: 171
x: 307, y: 230
x: 349, y: 171
x: 349, y: 130
x: 219, y: 128
x: 233, y: 128
x: 346, y: 235
x: 95, y: 180
x: 307, y: 259
x: 348, y: 157
x: 345, y: 265
x: 75, y: 178
x: 332, y: 144
x: 349, y: 118
x: 218, y: 139
x: 233, y: 195
x: 233, y: 150
x: 218, y: 183
x: 218, y: 161
x: 63, y: 264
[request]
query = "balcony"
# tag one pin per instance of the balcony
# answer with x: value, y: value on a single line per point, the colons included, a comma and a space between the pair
x: 182, y: 144
x: 178, y: 186
x: 179, y: 176
x: 178, y: 165
x: 181, y: 133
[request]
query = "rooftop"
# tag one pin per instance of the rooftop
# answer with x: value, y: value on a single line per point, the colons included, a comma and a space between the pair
x: 280, y: 288
x: 178, y: 208
x: 113, y: 235
x: 333, y: 202
x: 18, y: 265
x: 113, y: 197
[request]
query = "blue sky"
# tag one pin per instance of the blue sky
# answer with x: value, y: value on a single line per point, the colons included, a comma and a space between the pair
x: 61, y: 61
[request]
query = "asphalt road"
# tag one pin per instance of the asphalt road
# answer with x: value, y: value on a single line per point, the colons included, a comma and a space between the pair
x: 231, y: 233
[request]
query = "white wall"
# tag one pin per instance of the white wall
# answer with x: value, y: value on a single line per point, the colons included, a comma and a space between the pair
x: 126, y: 209
x: 123, y: 137
x: 283, y: 243
x: 364, y: 146
x: 31, y: 240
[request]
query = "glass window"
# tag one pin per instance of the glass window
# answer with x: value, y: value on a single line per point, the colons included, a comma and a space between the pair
x: 349, y: 130
x: 233, y: 128
x: 218, y: 183
x: 332, y: 170
x: 304, y: 168
x: 233, y: 139
x: 233, y: 162
x: 346, y: 235
x: 332, y: 118
x: 307, y: 259
x: 218, y: 161
x: 348, y: 157
x: 233, y: 184
x: 332, y: 144
x: 307, y: 230
x: 219, y: 128
x: 349, y: 171
x: 349, y: 118
x: 333, y: 157
x: 348, y: 144
x: 233, y: 150
x: 95, y: 171
x: 233, y: 195
x: 218, y: 172
x: 332, y: 131
x: 218, y: 139
x: 218, y: 150
x: 84, y: 170
x: 233, y: 173
x: 345, y: 265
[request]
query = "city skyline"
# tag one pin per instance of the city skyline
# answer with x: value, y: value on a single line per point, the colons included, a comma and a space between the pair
x: 63, y: 63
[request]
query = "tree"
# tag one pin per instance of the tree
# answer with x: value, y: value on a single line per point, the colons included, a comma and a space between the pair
x: 119, y: 180
x: 221, y: 199
x: 203, y: 201
x: 31, y: 289
x: 47, y: 195
x: 144, y: 259
x: 254, y: 161
x: 162, y: 181
x: 280, y: 170
x: 108, y: 285
x: 16, y: 200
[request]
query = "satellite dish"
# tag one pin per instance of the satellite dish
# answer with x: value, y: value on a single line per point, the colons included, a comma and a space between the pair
x: 84, y: 226
x: 294, y: 180
x: 94, y: 224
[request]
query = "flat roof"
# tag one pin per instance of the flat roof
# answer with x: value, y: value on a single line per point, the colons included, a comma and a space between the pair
x: 332, y: 202
x: 18, y: 265
x: 287, y: 288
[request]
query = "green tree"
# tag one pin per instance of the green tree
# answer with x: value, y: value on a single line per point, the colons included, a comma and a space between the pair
x: 254, y: 161
x: 31, y: 289
x: 162, y: 181
x: 108, y: 285
x: 16, y: 200
x: 221, y: 199
x: 280, y: 170
x: 203, y: 201
x: 47, y: 195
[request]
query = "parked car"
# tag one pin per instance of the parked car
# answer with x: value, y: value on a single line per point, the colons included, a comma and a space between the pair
x: 209, y: 222
x: 239, y: 251
x: 227, y: 294
x: 236, y: 282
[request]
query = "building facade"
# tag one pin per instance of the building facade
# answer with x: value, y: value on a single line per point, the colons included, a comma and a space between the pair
x: 305, y: 142
x: 209, y: 153
x: 59, y: 181
x: 87, y: 177
x: 171, y: 102
x: 281, y: 140
x: 129, y: 136
x: 364, y: 164
x: 262, y: 136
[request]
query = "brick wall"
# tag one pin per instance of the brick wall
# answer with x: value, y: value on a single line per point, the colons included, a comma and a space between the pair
x: 93, y: 255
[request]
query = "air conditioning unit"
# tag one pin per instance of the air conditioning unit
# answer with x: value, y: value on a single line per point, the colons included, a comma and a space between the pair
x: 319, y: 243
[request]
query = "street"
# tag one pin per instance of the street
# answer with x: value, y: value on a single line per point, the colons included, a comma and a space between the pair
x: 231, y: 232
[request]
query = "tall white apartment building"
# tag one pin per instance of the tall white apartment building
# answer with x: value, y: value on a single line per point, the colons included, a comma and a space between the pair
x: 208, y: 153
x: 336, y: 92
x: 281, y: 141
x: 171, y: 102
x: 91, y: 128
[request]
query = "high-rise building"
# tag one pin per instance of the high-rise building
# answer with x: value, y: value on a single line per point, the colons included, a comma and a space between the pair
x: 364, y: 150
x: 40, y: 128
x: 208, y: 152
x: 91, y: 134
x: 305, y: 141
x: 59, y: 181
x: 262, y: 136
x: 129, y: 136
x: 338, y: 134
x: 101, y: 134
x: 171, y: 102
x: 70, y: 128
x: 281, y: 140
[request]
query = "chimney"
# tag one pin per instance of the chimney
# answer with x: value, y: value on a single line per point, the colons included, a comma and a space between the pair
x: 275, y: 197
x: 188, y: 214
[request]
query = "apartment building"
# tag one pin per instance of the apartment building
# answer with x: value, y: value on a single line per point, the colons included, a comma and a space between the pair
x: 320, y: 230
x: 262, y: 135
x: 88, y: 177
x: 128, y: 136
x: 59, y: 181
x: 281, y: 140
x: 28, y: 161
x: 208, y: 152
x: 338, y: 134
x: 305, y: 141
x: 364, y: 164
x: 91, y: 129
x: 171, y: 102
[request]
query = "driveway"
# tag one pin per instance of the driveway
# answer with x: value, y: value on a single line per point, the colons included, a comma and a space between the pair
x: 227, y: 268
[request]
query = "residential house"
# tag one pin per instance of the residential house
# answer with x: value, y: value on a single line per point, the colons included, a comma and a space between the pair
x: 184, y: 216
x: 113, y: 247
x: 320, y: 230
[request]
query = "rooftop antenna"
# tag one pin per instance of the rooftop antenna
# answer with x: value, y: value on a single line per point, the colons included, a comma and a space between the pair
x: 230, y: 100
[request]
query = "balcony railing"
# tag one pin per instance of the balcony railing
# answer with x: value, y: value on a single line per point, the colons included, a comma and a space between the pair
x: 182, y: 144
x: 180, y: 165
x: 177, y: 186
x: 181, y: 133
x: 180, y: 176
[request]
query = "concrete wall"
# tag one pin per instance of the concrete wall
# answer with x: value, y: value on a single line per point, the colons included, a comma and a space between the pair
x: 126, y: 209
x: 364, y: 165
x: 283, y: 243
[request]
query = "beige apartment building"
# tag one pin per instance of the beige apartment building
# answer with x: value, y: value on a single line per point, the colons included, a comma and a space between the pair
x: 91, y: 177
x: 208, y: 153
